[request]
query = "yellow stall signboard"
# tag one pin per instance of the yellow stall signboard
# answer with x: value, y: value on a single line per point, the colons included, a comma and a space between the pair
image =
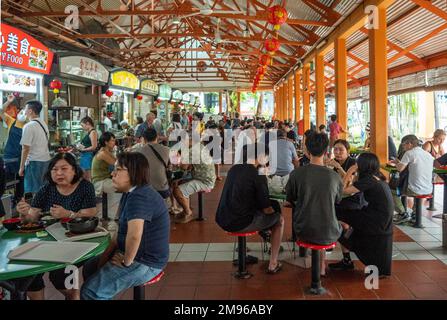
x: 125, y: 79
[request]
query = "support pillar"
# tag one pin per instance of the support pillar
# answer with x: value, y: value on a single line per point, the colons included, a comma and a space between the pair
x: 238, y: 102
x: 290, y: 98
x: 341, y: 83
x: 378, y: 82
x: 306, y: 97
x: 297, y: 96
x: 319, y: 78
x: 220, y: 101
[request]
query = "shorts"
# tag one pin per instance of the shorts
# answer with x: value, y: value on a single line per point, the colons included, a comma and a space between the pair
x: 57, y: 278
x: 86, y: 160
x: 194, y: 186
x: 34, y: 175
x: 103, y: 186
x: 409, y: 193
x: 262, y: 221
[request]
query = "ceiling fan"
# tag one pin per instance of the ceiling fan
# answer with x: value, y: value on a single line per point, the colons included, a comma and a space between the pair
x: 218, y: 38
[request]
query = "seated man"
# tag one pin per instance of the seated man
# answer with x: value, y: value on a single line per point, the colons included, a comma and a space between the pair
x: 286, y: 157
x: 313, y: 191
x: 420, y: 173
x: 244, y: 206
x: 203, y: 178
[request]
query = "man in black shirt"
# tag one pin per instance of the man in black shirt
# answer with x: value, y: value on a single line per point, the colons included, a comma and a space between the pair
x: 244, y: 205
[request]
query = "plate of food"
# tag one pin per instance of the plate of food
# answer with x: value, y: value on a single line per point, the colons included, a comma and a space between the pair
x: 31, y: 226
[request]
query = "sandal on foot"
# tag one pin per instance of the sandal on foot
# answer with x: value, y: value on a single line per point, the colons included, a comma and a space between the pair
x: 276, y: 270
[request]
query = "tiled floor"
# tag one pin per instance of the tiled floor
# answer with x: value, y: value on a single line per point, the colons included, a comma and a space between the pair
x: 201, y: 253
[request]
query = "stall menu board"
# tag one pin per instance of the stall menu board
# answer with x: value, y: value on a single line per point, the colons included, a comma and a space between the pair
x: 177, y: 96
x: 186, y: 98
x: 11, y: 80
x: 164, y: 92
x: 192, y: 99
x: 84, y: 67
x: 125, y: 79
x: 149, y: 87
x: 21, y: 51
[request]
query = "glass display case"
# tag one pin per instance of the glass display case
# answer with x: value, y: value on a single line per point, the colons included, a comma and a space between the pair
x: 64, y: 125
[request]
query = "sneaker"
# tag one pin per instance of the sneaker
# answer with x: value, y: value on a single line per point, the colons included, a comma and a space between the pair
x: 341, y: 265
x: 401, y: 218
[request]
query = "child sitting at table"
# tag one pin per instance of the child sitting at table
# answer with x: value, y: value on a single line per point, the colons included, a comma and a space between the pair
x: 313, y: 190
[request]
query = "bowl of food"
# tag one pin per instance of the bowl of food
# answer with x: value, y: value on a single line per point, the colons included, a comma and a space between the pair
x: 82, y: 225
x: 48, y: 220
x: 31, y: 226
x: 11, y: 224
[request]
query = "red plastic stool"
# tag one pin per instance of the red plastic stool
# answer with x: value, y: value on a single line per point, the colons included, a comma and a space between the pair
x: 200, y: 200
x: 138, y: 291
x: 418, y: 204
x: 431, y: 206
x: 315, y: 287
x: 242, y: 272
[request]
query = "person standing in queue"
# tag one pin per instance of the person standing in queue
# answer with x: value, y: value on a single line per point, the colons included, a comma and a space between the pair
x: 88, y: 146
x: 35, y: 152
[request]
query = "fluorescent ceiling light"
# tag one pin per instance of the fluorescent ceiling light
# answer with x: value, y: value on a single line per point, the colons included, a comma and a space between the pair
x: 176, y: 20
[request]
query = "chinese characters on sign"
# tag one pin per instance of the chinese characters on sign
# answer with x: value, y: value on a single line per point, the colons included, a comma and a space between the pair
x: 84, y: 67
x: 21, y: 51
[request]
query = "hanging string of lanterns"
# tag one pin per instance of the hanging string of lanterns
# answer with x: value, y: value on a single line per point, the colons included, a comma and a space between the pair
x: 277, y: 15
x: 56, y: 86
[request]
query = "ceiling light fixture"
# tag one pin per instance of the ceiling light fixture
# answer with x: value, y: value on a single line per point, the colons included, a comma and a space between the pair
x: 176, y: 20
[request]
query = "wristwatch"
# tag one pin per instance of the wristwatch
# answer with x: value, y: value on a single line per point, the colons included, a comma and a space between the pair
x: 72, y: 215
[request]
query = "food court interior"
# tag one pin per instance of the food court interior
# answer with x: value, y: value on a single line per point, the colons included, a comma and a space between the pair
x: 380, y: 66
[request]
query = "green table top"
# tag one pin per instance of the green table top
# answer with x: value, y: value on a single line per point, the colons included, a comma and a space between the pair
x: 278, y: 196
x: 357, y: 151
x: 10, y: 240
x: 394, y: 169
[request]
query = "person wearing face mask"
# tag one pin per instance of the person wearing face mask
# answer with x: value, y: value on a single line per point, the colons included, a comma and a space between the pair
x: 13, y: 149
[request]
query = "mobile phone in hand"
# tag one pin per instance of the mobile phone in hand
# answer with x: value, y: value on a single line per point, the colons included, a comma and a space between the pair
x: 28, y: 197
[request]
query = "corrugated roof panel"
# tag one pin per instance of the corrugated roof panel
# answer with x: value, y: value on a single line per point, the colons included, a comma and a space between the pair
x: 400, y: 61
x: 362, y: 51
x: 434, y: 45
x: 397, y: 8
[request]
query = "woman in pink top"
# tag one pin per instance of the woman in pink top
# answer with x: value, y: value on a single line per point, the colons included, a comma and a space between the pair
x: 335, y: 129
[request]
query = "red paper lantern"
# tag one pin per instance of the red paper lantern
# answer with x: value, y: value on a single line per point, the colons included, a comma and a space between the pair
x: 139, y: 97
x: 272, y: 45
x: 261, y: 70
x: 55, y: 84
x: 109, y: 93
x: 277, y: 16
x: 265, y: 60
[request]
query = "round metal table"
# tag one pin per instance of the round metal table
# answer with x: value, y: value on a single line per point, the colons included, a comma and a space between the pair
x: 16, y: 276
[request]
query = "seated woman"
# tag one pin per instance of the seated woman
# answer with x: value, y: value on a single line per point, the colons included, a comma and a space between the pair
x: 341, y: 164
x: 372, y: 236
x: 142, y: 248
x: 66, y: 195
x: 101, y: 164
x: 434, y: 147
